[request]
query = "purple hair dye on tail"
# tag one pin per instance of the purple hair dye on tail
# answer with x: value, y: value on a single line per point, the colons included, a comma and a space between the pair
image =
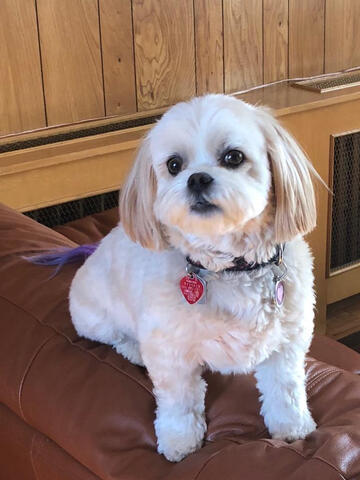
x: 62, y: 257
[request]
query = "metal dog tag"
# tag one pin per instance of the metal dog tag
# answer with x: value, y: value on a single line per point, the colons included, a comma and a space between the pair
x: 279, y: 292
x: 279, y: 272
x: 193, y: 288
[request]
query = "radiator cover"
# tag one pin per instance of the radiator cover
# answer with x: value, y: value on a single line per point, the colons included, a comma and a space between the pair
x: 345, y: 208
x: 66, y: 212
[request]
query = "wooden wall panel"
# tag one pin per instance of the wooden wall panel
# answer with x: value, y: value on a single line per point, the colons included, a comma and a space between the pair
x: 70, y: 47
x: 209, y: 46
x: 306, y: 37
x: 276, y: 23
x: 164, y: 51
x: 118, y: 56
x: 21, y: 95
x: 243, y: 44
x: 342, y: 34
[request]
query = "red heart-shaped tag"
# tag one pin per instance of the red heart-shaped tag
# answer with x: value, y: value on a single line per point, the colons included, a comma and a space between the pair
x: 192, y: 288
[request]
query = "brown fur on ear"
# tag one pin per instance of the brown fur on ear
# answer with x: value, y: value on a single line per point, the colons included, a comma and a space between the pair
x: 137, y: 201
x: 295, y: 211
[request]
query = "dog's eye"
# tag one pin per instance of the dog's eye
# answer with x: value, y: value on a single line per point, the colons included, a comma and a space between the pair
x: 232, y: 159
x: 174, y: 164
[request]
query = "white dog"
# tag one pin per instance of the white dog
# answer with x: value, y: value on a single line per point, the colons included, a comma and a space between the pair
x: 218, y: 200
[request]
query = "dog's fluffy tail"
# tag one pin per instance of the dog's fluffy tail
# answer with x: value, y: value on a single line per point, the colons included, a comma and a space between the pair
x: 61, y: 257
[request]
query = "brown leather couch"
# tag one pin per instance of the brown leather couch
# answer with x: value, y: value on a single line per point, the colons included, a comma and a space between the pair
x: 72, y: 409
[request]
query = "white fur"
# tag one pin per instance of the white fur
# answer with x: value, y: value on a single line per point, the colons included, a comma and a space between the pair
x: 128, y: 296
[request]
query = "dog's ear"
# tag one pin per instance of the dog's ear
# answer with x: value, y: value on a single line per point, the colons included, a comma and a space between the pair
x: 295, y: 209
x: 137, y: 199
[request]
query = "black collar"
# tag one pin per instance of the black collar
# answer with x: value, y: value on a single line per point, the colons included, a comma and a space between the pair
x: 241, y: 265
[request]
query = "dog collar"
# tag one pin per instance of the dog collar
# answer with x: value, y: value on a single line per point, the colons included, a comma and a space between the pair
x: 193, y: 286
x: 240, y: 264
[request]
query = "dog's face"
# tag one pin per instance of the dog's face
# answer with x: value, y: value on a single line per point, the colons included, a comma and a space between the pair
x: 208, y: 168
x: 212, y: 170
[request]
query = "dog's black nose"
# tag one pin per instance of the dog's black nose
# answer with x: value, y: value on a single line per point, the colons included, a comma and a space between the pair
x: 198, y: 182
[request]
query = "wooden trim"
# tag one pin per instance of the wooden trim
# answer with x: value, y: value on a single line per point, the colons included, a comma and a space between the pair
x: 343, y: 285
x: 70, y: 150
x: 330, y: 204
x: 73, y: 127
x: 343, y: 318
x: 283, y: 99
x: 67, y: 170
x: 344, y: 269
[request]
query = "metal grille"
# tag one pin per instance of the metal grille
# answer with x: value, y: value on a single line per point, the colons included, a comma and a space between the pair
x: 345, y: 231
x: 331, y: 83
x: 66, y: 212
x: 86, y: 132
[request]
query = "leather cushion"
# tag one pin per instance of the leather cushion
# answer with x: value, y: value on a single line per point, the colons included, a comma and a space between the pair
x: 99, y: 408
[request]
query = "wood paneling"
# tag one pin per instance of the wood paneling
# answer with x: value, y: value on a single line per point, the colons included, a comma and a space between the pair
x: 209, y: 46
x: 70, y: 48
x: 118, y: 56
x: 243, y: 44
x: 164, y: 51
x: 21, y: 95
x: 306, y: 37
x: 276, y: 23
x: 342, y: 34
x: 114, y: 57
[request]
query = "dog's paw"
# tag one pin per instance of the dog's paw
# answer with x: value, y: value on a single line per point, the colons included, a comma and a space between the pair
x: 296, y: 430
x: 179, y: 435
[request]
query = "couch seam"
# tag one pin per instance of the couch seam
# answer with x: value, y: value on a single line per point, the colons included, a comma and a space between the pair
x: 319, y: 379
x: 36, y: 432
x: 332, y: 466
x: 208, y: 460
x: 36, y: 353
x: 60, y: 334
x: 318, y: 375
x: 31, y: 456
x: 40, y: 453
x: 287, y: 447
x: 342, y: 477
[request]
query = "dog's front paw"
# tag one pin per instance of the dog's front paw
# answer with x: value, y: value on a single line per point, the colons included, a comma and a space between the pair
x: 179, y: 435
x: 298, y: 429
